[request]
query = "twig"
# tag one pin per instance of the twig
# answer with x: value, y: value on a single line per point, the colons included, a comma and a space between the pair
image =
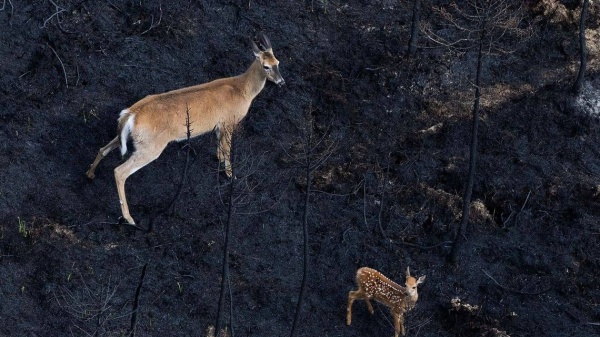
x: 508, y: 219
x: 383, y: 198
x: 525, y: 202
x: 419, y: 246
x: 505, y: 222
x: 12, y: 8
x: 183, y: 275
x: 136, y: 302
x: 365, y: 202
x: 512, y: 290
x: 57, y: 11
x: 77, y: 80
x: 61, y: 63
x: 152, y: 25
x: 230, y: 307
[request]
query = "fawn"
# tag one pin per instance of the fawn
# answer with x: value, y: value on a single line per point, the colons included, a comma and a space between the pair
x: 374, y: 285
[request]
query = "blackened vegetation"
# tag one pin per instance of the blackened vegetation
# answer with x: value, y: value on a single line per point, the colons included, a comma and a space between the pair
x: 393, y: 184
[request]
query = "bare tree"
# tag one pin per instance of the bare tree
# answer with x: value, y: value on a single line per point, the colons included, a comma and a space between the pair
x: 92, y: 306
x: 414, y: 30
x: 486, y: 27
x: 582, y: 48
x: 230, y: 213
x: 313, y: 153
x: 237, y: 195
x: 171, y: 206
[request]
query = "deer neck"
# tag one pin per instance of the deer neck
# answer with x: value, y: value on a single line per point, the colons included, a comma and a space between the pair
x: 253, y: 79
x: 397, y: 294
x: 411, y: 300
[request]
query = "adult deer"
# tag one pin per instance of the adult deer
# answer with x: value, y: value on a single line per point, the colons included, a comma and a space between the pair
x: 374, y: 285
x: 157, y: 120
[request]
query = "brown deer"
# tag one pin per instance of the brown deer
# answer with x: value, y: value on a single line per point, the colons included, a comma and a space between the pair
x: 374, y: 285
x: 157, y: 120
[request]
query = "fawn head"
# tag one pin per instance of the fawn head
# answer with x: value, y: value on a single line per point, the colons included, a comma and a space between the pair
x: 270, y: 64
x: 412, y: 283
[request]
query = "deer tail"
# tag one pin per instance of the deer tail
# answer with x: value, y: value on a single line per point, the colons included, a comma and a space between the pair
x: 125, y: 126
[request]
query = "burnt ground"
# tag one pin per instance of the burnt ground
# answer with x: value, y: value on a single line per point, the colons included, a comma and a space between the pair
x: 388, y: 195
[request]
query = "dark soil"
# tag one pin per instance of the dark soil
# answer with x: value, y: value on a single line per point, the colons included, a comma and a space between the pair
x: 387, y: 196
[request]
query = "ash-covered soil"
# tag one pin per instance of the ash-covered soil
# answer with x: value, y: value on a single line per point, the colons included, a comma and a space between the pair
x: 394, y: 137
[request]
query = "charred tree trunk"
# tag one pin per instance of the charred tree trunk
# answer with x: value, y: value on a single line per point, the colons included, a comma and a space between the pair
x: 583, y: 49
x: 414, y: 31
x: 136, y: 303
x: 473, y: 153
x: 304, y: 230
x: 230, y: 210
x: 170, y: 206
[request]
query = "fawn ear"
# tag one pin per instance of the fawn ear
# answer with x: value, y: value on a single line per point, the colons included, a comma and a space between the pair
x: 421, y: 279
x: 407, y: 272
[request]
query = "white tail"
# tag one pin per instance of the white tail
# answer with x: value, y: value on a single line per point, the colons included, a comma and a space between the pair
x: 127, y: 120
x: 374, y: 285
x: 156, y: 120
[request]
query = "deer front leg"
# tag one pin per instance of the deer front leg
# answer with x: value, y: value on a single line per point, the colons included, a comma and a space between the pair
x: 369, y: 306
x: 398, y: 323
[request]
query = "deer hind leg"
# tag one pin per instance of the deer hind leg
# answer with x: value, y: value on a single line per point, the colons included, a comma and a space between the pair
x: 101, y: 154
x: 140, y: 158
x: 224, y: 147
x: 356, y: 295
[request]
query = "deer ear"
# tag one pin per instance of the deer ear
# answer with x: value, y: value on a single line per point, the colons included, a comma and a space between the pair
x: 255, y: 49
x: 264, y: 41
x: 421, y: 279
x: 407, y: 272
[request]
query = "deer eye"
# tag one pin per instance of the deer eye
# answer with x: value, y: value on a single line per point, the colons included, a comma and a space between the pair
x: 267, y: 68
